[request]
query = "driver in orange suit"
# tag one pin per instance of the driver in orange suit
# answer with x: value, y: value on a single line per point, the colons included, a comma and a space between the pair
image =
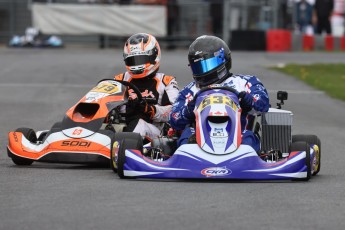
x: 142, y: 56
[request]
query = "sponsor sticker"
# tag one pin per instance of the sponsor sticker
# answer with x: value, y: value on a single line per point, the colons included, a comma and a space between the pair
x: 176, y: 116
x: 77, y: 132
x: 217, y: 100
x: 107, y: 88
x: 218, y: 132
x: 216, y: 172
x: 85, y: 144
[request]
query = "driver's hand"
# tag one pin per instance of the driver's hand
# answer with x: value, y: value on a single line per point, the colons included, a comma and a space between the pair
x: 132, y: 96
x: 246, y: 101
x: 188, y: 112
x: 133, y: 102
x: 191, y: 106
x: 147, y: 109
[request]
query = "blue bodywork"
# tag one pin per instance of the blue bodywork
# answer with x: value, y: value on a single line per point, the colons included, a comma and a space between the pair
x: 190, y: 161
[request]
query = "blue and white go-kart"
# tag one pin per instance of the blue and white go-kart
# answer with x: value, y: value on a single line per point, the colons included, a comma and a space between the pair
x: 217, y: 151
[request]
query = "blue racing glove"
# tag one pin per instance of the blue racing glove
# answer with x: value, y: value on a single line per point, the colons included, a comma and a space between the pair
x: 246, y: 101
x: 188, y: 111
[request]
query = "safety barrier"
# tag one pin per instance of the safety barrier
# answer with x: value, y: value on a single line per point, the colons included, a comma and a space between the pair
x: 278, y: 40
x: 285, y: 40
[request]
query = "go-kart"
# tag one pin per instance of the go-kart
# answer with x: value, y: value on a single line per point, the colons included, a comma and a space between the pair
x: 86, y: 133
x: 217, y: 151
x: 33, y: 37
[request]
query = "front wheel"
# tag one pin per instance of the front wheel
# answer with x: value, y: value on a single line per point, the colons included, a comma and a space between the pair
x: 31, y: 136
x: 314, y: 143
x: 122, y: 142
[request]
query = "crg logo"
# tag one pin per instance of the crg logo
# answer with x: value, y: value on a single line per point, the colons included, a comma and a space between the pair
x: 76, y: 143
x: 216, y: 171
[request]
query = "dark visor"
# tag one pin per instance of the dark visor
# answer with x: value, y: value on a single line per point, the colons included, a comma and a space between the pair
x: 204, y: 66
x: 139, y: 60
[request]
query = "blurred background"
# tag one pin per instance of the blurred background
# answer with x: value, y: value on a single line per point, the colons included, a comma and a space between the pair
x: 37, y: 87
x: 107, y: 23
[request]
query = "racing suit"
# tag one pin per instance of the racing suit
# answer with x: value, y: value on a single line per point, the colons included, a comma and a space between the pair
x: 181, y: 116
x: 159, y: 91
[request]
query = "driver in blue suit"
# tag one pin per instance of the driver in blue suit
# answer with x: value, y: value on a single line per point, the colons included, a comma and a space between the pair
x: 210, y: 61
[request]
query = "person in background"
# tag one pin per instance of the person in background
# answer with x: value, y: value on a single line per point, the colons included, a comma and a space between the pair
x: 322, y: 14
x: 304, y: 15
x: 142, y: 56
x: 210, y: 61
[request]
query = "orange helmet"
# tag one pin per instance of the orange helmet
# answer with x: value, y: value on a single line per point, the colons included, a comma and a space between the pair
x: 142, y: 55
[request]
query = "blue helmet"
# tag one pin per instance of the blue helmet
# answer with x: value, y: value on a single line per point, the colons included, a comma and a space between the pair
x: 210, y: 60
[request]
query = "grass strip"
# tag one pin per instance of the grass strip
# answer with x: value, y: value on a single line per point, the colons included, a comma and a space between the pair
x: 326, y: 77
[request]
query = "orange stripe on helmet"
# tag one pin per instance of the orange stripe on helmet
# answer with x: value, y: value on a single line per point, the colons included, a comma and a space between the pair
x: 148, y: 41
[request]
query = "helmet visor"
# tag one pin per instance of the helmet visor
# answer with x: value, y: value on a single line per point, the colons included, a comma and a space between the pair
x: 204, y: 66
x: 139, y: 60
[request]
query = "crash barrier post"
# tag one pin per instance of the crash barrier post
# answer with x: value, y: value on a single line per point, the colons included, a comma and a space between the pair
x: 304, y: 42
x: 278, y: 40
x: 307, y: 42
x: 329, y: 43
x: 284, y: 40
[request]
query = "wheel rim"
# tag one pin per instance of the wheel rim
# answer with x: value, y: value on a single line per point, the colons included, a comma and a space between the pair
x: 316, y: 160
x: 114, y: 154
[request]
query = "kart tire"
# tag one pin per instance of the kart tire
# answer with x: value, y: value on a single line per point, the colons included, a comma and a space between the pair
x: 31, y: 136
x: 126, y: 141
x: 118, y: 137
x: 303, y: 146
x: 312, y: 140
x: 42, y: 136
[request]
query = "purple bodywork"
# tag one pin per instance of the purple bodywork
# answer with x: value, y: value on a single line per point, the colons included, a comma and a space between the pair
x: 192, y: 161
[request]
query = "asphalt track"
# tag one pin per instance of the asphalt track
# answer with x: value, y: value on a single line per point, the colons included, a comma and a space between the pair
x: 38, y: 86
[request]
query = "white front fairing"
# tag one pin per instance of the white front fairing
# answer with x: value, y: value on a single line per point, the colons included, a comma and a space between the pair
x: 98, y: 138
x: 218, y: 129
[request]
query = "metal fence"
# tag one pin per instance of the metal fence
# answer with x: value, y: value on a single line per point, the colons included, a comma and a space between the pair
x: 186, y: 19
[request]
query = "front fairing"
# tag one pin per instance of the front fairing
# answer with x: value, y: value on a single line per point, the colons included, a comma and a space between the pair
x: 91, y: 111
x: 189, y: 161
x: 218, y: 126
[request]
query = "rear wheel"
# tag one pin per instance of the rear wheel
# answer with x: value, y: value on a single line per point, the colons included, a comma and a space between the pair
x: 303, y: 146
x: 122, y: 142
x: 314, y: 143
x: 31, y: 136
